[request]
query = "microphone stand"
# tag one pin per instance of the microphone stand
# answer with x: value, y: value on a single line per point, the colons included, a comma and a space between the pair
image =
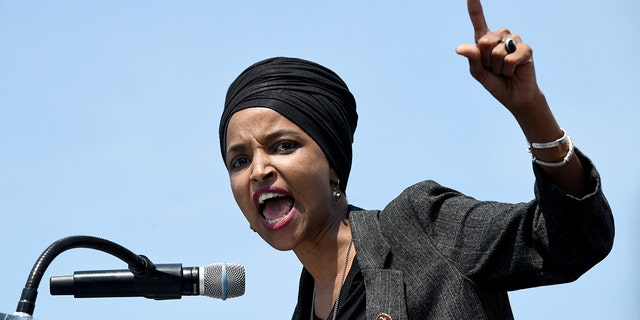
x: 138, y: 264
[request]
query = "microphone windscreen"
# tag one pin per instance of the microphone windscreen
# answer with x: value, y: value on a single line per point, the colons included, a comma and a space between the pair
x: 5, y: 316
x: 222, y: 280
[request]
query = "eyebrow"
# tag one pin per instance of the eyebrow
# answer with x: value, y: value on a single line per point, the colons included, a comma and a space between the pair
x: 281, y: 133
x: 269, y: 137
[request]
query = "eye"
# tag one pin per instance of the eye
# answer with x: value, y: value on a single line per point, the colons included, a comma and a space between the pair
x: 285, y: 147
x: 238, y: 162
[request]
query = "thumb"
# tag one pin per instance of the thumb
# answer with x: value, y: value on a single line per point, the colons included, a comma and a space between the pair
x: 468, y: 50
x: 472, y: 53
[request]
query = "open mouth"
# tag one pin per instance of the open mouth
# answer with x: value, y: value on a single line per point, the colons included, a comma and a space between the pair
x: 276, y: 209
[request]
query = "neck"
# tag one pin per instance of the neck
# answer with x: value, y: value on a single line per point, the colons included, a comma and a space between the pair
x: 323, y: 256
x: 325, y: 261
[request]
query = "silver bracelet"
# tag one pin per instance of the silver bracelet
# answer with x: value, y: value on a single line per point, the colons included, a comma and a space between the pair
x: 564, y: 161
x: 554, y: 143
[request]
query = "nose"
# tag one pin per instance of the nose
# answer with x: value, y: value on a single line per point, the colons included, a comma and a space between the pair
x: 261, y: 168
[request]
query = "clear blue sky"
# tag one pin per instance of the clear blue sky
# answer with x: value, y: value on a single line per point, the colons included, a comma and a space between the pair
x: 109, y: 114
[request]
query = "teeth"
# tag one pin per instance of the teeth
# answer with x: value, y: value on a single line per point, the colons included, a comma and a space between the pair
x: 266, y: 196
x: 274, y: 221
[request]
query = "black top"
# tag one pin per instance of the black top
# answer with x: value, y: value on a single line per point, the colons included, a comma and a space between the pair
x: 352, y: 296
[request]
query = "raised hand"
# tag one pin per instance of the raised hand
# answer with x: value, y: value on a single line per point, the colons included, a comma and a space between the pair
x: 509, y: 77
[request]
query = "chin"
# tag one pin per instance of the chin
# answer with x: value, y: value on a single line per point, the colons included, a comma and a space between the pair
x: 278, y: 244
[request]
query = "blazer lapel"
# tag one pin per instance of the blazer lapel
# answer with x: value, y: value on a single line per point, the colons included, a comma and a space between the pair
x: 384, y: 286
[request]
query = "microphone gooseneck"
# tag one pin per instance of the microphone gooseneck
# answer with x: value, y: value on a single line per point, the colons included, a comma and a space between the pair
x: 142, y: 278
x: 137, y: 264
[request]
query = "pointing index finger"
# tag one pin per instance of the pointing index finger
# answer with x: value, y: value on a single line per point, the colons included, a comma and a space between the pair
x: 477, y: 18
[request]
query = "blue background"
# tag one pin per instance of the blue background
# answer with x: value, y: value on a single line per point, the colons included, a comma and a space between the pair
x: 109, y: 114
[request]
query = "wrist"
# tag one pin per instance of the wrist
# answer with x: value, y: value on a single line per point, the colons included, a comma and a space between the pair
x: 527, y: 110
x: 555, y: 153
x: 537, y: 122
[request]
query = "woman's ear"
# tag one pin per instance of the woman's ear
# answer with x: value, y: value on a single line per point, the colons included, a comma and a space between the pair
x: 333, y: 177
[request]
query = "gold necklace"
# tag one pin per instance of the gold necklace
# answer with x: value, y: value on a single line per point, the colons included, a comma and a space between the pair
x: 344, y: 271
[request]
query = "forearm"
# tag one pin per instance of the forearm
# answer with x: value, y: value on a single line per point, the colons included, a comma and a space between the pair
x: 539, y: 125
x: 509, y: 75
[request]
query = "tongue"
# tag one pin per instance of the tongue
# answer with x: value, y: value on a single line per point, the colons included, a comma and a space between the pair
x: 278, y: 207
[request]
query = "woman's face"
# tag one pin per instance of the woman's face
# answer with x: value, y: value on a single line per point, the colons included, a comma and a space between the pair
x: 280, y: 178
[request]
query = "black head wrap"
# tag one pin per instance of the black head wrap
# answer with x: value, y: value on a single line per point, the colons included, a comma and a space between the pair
x: 309, y: 95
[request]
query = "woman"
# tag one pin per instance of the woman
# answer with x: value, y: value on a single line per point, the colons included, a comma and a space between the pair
x: 432, y: 253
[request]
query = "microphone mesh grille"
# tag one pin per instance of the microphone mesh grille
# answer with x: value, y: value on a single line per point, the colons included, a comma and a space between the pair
x: 214, y: 285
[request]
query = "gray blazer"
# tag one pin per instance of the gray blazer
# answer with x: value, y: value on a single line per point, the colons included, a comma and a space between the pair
x: 434, y: 253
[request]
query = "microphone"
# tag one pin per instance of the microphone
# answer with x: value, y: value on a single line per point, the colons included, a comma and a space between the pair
x: 15, y: 316
x: 167, y: 281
